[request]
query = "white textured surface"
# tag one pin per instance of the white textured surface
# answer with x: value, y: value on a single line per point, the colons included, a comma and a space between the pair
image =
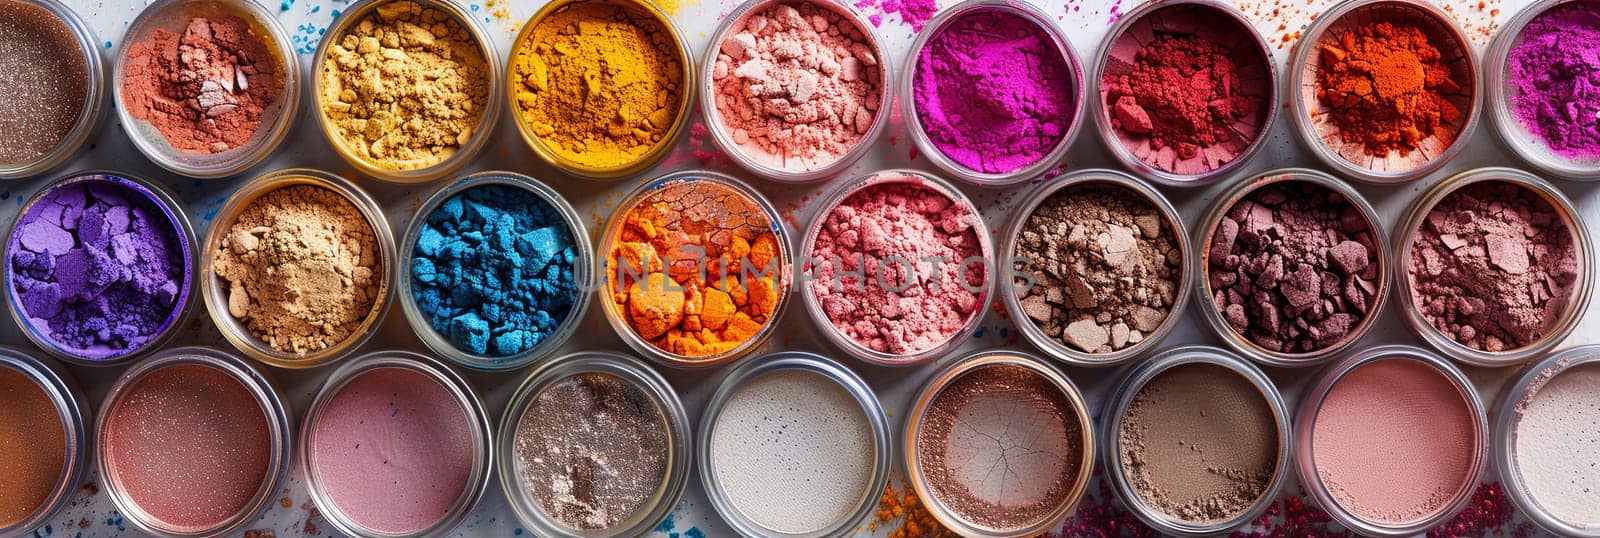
x: 1558, y: 446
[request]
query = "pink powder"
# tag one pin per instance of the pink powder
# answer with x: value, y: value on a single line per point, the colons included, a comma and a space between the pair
x: 903, y: 216
x: 796, y: 85
x: 393, y: 450
x: 1395, y: 442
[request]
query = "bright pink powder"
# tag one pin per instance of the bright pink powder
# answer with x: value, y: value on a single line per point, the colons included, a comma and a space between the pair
x: 898, y: 215
x: 393, y: 450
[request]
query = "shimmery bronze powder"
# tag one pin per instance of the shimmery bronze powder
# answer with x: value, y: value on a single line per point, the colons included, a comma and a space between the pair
x: 1199, y: 443
x: 1000, y: 446
x: 33, y: 446
x: 44, y: 81
x: 591, y: 450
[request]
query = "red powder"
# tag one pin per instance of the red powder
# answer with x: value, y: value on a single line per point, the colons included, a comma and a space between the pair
x: 1385, y: 87
x: 205, y: 90
x: 1183, y: 93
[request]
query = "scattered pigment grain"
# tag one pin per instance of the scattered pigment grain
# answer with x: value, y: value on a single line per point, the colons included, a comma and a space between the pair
x: 591, y: 450
x: 302, y: 268
x: 99, y: 266
x: 188, y: 444
x: 1557, y: 444
x: 1000, y: 447
x: 33, y: 447
x: 994, y: 92
x: 208, y: 88
x: 1199, y: 443
x: 696, y: 269
x: 1293, y: 267
x: 493, y: 270
x: 1186, y: 90
x: 870, y: 268
x: 793, y: 452
x: 1493, y: 266
x: 405, y: 87
x: 44, y: 82
x: 1553, y: 79
x: 1104, y: 265
x: 392, y: 450
x: 796, y: 85
x: 600, y: 83
x: 1395, y: 442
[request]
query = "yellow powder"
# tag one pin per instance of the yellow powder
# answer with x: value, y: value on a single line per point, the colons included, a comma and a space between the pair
x: 599, y: 82
x: 405, y: 87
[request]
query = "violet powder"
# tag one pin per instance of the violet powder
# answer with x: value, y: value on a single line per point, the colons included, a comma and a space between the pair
x: 1554, y: 79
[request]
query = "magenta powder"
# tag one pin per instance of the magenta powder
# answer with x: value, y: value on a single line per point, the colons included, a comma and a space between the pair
x: 1554, y: 79
x: 993, y: 91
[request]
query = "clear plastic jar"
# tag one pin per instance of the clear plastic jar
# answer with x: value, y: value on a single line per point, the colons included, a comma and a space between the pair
x: 758, y: 166
x: 1306, y: 59
x: 1101, y: 111
x: 173, y: 16
x: 660, y: 395
x: 913, y: 120
x: 1011, y: 296
x: 215, y: 291
x: 88, y: 123
x: 1513, y: 403
x: 75, y: 414
x: 582, y: 271
x: 1526, y: 145
x: 1578, y: 303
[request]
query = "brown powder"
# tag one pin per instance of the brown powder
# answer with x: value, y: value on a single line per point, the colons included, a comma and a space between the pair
x: 44, y: 81
x: 302, y: 268
x: 33, y: 446
x: 205, y: 90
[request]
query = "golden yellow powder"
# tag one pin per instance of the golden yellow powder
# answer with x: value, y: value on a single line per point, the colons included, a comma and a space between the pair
x: 405, y: 87
x: 600, y: 82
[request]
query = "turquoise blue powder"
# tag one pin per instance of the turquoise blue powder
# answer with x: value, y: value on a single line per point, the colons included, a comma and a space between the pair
x: 492, y: 270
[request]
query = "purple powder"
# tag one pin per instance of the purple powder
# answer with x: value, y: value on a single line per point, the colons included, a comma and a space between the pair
x: 1554, y: 79
x: 914, y: 13
x: 993, y: 91
x: 98, y: 266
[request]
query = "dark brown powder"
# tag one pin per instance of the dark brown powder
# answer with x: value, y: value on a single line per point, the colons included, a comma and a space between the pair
x: 44, y: 81
x: 33, y: 446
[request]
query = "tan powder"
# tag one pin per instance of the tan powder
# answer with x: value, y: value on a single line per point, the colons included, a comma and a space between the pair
x: 302, y: 266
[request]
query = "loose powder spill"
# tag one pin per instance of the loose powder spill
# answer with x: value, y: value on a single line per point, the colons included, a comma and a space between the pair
x: 871, y: 270
x: 1493, y: 266
x: 1000, y: 447
x: 33, y: 447
x: 189, y: 445
x: 1105, y: 267
x: 44, y: 82
x: 405, y: 87
x: 993, y: 91
x: 591, y: 450
x: 1558, y: 445
x: 695, y: 268
x: 601, y: 82
x: 1293, y: 267
x: 793, y: 451
x: 1387, y: 91
x: 492, y: 270
x: 302, y: 269
x: 796, y: 85
x: 99, y: 266
x: 1553, y: 79
x: 1395, y: 442
x: 1199, y: 443
x: 207, y: 89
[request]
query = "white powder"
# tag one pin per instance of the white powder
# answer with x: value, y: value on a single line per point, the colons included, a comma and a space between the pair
x: 1558, y: 446
x: 794, y: 451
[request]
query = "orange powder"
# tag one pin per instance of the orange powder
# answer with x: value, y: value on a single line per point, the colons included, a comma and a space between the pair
x: 33, y: 446
x: 1386, y: 87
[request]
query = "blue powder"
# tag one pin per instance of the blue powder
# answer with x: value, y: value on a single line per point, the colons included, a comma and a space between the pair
x: 492, y: 270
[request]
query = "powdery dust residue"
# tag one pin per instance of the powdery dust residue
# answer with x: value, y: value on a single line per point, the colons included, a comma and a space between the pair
x: 1281, y: 21
x: 913, y: 13
x: 1478, y: 18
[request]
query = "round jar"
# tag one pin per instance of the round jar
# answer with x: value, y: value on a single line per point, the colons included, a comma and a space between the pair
x: 1362, y: 273
x: 1545, y: 439
x: 1494, y: 266
x: 452, y: 330
x: 45, y: 435
x: 207, y: 443
x: 167, y: 23
x: 647, y: 288
x: 124, y: 238
x: 72, y: 35
x: 1391, y: 441
x: 324, y: 98
x: 428, y: 436
x: 994, y: 99
x: 1529, y: 141
x: 1026, y: 236
x: 1191, y: 32
x: 593, y: 400
x: 218, y: 293
x: 1457, y: 90
x: 870, y: 60
x: 795, y: 481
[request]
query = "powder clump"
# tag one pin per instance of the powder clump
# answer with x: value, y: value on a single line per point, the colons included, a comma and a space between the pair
x: 44, y: 81
x: 207, y: 89
x: 1184, y: 94
x: 1554, y: 79
x: 1387, y: 88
